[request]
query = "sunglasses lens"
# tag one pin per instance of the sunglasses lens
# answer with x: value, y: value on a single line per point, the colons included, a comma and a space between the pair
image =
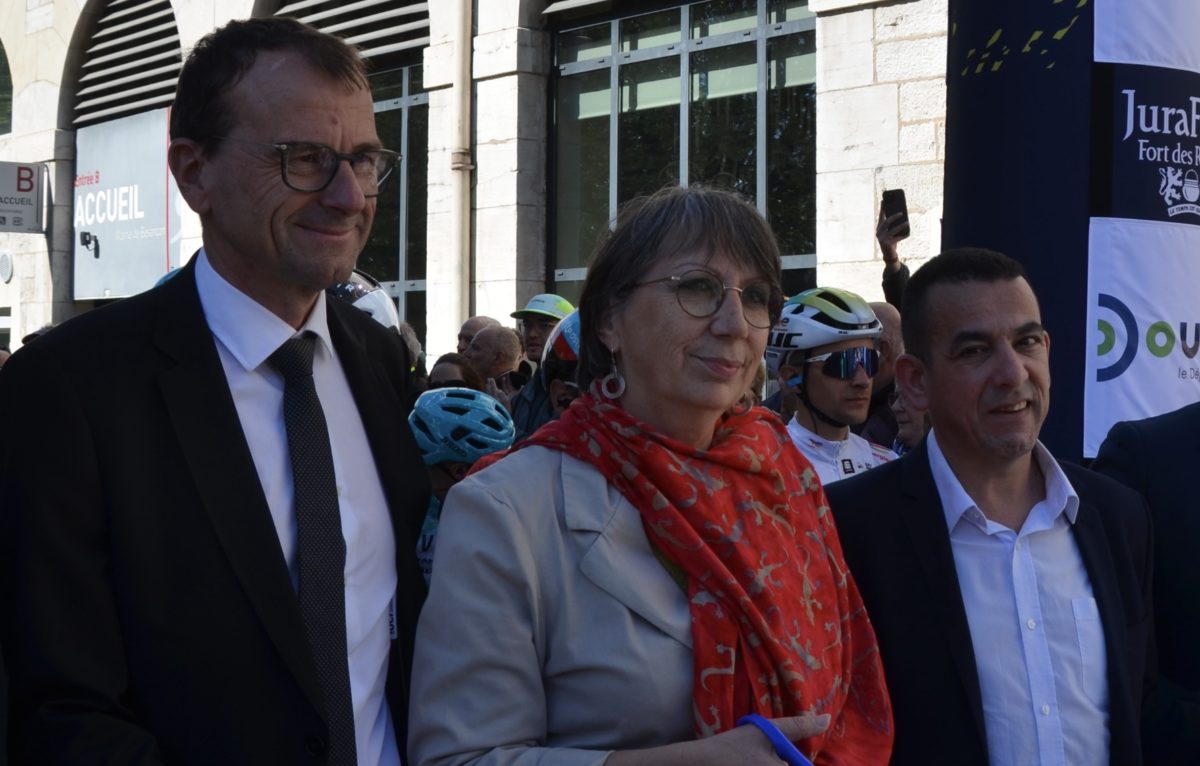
x: 842, y: 364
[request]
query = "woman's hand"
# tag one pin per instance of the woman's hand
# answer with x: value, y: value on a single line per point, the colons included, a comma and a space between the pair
x: 741, y: 746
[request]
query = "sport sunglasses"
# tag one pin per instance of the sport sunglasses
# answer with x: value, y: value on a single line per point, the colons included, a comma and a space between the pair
x: 842, y: 364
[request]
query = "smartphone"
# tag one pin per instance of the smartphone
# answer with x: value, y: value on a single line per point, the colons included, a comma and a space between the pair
x: 514, y: 379
x: 894, y: 202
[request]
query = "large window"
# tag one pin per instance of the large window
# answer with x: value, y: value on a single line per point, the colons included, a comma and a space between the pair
x: 720, y: 92
x: 395, y: 254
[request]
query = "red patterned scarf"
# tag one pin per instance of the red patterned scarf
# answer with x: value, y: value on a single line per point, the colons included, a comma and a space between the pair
x: 778, y: 626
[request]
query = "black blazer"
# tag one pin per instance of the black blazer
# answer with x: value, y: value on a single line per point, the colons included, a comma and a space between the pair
x: 1156, y: 457
x: 893, y: 531
x: 148, y: 615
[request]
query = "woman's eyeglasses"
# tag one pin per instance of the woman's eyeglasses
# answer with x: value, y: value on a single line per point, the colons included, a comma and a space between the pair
x: 700, y: 293
x: 842, y: 364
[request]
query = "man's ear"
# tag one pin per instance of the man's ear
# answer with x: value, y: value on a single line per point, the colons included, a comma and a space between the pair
x: 187, y: 161
x: 912, y: 379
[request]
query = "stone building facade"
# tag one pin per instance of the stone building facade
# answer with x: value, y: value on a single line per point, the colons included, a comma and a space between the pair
x: 490, y: 208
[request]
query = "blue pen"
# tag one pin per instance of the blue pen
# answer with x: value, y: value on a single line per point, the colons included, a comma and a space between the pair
x: 783, y: 746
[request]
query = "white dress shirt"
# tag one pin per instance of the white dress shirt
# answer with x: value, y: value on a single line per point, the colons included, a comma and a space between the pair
x: 1039, y: 644
x: 247, y: 334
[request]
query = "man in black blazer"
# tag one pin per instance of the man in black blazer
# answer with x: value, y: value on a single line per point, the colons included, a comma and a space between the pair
x: 1156, y: 456
x: 1009, y: 593
x: 149, y: 544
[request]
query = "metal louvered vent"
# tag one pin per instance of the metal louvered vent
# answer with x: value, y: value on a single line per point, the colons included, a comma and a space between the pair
x: 132, y: 63
x: 381, y: 29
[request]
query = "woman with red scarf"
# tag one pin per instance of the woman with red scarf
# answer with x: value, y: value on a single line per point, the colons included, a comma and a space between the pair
x: 641, y: 574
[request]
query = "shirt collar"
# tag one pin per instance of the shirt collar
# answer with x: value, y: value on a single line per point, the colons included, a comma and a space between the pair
x: 1060, y: 496
x: 247, y: 329
x: 815, y: 440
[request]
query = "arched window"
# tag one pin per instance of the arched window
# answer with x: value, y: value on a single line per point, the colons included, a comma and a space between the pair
x: 131, y: 63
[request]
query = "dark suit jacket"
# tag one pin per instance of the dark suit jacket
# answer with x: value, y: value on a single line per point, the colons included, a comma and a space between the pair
x: 893, y: 531
x: 148, y: 615
x: 1156, y: 457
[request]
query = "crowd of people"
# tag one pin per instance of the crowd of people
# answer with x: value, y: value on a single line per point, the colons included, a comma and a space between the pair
x: 242, y: 524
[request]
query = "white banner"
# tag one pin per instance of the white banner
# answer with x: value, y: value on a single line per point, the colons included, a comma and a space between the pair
x: 1144, y: 255
x: 127, y: 225
x: 1143, y: 320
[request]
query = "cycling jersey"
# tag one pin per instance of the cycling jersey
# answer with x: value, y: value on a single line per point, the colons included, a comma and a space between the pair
x: 834, y: 460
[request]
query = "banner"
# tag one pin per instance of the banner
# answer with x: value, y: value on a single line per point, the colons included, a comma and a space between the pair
x: 127, y: 224
x: 1144, y: 232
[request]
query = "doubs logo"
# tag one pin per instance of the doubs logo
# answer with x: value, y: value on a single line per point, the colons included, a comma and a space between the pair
x: 1160, y: 338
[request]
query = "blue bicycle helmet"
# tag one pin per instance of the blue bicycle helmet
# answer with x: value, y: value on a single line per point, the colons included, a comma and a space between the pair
x: 459, y: 425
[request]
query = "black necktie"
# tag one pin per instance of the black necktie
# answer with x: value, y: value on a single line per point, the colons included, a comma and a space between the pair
x: 320, y: 547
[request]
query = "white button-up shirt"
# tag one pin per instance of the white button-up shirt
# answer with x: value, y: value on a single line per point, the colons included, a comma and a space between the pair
x: 1039, y: 644
x: 247, y: 334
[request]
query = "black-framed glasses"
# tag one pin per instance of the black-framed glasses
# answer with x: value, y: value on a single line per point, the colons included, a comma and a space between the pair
x: 701, y: 292
x: 307, y: 166
x: 842, y: 364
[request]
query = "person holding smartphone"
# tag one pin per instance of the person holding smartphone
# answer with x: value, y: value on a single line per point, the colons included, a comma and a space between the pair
x: 889, y: 230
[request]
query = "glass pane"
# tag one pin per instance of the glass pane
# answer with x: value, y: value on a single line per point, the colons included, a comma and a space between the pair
x: 381, y: 257
x: 581, y: 189
x: 787, y: 10
x: 417, y: 198
x: 723, y: 118
x: 648, y: 127
x: 584, y: 44
x: 416, y: 79
x: 719, y: 17
x: 650, y: 31
x: 388, y: 85
x: 796, y: 281
x: 791, y: 142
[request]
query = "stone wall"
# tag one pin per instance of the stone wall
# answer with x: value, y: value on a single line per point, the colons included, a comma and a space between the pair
x: 881, y: 124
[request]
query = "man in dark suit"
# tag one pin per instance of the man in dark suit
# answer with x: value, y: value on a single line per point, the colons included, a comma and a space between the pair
x: 1009, y: 592
x: 1156, y: 456
x: 164, y: 525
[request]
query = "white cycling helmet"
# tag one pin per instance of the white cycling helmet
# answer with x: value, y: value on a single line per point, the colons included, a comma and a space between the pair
x: 816, y: 317
x: 365, y: 293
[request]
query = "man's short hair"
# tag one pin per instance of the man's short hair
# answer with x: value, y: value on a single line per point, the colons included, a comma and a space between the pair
x: 957, y: 266
x: 222, y: 57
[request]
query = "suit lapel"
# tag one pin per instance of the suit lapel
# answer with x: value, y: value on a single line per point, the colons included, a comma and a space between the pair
x: 930, y: 541
x: 614, y: 531
x: 210, y: 435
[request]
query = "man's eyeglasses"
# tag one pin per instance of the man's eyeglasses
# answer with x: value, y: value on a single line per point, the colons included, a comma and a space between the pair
x: 842, y: 364
x: 310, y: 167
x: 700, y: 293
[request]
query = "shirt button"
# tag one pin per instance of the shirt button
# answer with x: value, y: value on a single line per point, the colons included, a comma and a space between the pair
x: 1030, y: 623
x: 1045, y: 710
